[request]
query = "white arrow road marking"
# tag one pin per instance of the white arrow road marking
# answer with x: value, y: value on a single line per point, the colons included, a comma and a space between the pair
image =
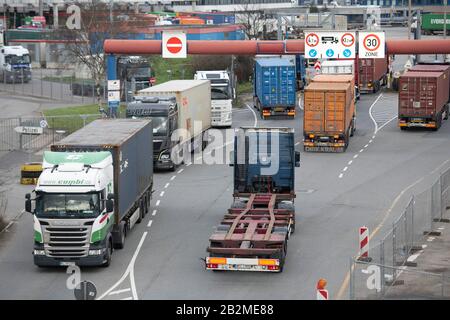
x: 128, y: 272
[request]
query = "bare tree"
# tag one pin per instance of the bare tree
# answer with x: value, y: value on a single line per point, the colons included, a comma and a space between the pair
x: 252, y: 19
x: 85, y: 45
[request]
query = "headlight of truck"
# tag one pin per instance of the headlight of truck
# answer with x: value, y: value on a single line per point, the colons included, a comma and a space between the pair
x: 39, y: 252
x: 95, y: 252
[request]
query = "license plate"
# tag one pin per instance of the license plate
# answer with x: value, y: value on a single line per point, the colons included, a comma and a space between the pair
x: 66, y: 263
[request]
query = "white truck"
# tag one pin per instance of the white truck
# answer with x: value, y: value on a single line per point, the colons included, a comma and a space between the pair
x: 181, y: 114
x: 96, y: 184
x: 15, y: 64
x: 222, y: 95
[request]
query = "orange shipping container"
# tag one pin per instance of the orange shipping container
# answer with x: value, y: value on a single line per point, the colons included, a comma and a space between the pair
x: 336, y: 78
x: 328, y: 109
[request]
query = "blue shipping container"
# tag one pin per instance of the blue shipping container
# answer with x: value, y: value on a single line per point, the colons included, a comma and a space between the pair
x: 275, y: 82
x: 257, y: 145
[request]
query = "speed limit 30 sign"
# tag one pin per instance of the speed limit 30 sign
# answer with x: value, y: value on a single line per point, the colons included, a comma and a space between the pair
x: 371, y: 44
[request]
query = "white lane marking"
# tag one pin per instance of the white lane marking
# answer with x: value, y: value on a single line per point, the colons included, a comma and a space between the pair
x: 370, y: 112
x: 157, y: 203
x: 366, y: 146
x: 441, y: 228
x: 167, y: 185
x: 413, y: 257
x: 129, y: 298
x: 17, y: 217
x: 430, y: 239
x: 387, y: 122
x: 355, y: 156
x: 149, y: 224
x: 297, y: 143
x: 254, y: 115
x: 119, y: 291
x: 154, y: 212
x: 173, y: 178
x: 129, y: 271
x: 350, y: 162
x: 180, y: 171
x: 373, y: 137
x: 161, y: 194
x: 190, y: 163
x: 361, y: 150
x: 341, y: 175
x: 345, y: 169
x: 370, y: 141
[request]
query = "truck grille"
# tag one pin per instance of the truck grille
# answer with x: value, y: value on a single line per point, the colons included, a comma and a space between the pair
x: 66, y: 242
x: 215, y: 114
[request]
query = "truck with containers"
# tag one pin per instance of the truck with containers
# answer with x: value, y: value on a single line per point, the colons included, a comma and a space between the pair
x: 254, y: 232
x: 222, y: 95
x: 96, y: 184
x: 433, y: 23
x: 345, y: 68
x: 274, y: 87
x: 15, y: 64
x: 372, y: 74
x: 423, y: 99
x: 329, y: 116
x: 173, y: 105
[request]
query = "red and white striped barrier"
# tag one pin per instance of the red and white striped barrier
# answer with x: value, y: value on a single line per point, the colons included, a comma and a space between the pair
x: 322, y: 293
x: 364, y: 243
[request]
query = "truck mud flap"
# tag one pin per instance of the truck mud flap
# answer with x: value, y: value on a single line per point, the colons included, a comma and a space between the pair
x: 325, y: 149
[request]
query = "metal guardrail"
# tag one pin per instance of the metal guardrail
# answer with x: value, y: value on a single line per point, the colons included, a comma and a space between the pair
x: 35, y: 133
x: 389, y: 258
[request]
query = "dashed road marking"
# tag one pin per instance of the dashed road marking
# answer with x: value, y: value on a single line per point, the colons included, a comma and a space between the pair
x: 154, y: 212
x: 355, y: 156
x: 173, y: 178
x: 180, y: 171
x: 161, y: 194
x: 157, y: 203
x: 350, y: 162
x: 361, y: 150
x: 167, y: 185
x: 149, y: 224
x: 341, y: 175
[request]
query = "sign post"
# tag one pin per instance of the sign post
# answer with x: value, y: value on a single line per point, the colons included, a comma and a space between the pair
x: 113, y: 97
x: 372, y: 45
x: 330, y: 45
x: 174, y: 44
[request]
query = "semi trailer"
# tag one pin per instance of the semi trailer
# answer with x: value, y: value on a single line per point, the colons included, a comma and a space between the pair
x: 423, y: 99
x: 372, y: 74
x: 254, y: 232
x: 96, y: 184
x: 274, y: 87
x: 329, y: 116
x: 181, y: 113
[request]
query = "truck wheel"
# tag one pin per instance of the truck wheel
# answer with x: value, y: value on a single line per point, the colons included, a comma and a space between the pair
x: 119, y: 236
x: 108, y: 253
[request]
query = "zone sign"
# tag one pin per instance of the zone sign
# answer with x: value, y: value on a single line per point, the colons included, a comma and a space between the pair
x: 372, y: 45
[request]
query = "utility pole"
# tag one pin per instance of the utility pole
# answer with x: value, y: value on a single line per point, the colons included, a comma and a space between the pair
x: 409, y: 19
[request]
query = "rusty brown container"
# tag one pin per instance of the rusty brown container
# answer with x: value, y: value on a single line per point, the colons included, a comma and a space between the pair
x: 372, y: 74
x: 432, y: 68
x: 422, y: 95
x: 328, y: 108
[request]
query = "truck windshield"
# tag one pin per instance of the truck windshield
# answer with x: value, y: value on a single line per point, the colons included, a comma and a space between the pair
x: 25, y: 59
x: 68, y: 205
x: 141, y: 72
x: 159, y: 126
x: 220, y: 93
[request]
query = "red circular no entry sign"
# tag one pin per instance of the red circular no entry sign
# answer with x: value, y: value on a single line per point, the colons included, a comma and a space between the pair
x: 174, y: 45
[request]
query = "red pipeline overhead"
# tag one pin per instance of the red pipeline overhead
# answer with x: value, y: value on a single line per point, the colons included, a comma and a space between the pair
x: 252, y: 47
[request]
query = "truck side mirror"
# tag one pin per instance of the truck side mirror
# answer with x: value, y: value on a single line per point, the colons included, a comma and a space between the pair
x: 297, y: 158
x: 28, y: 203
x: 109, y: 205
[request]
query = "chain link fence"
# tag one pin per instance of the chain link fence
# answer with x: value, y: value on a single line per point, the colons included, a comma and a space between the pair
x: 31, y: 134
x: 55, y: 84
x: 390, y: 257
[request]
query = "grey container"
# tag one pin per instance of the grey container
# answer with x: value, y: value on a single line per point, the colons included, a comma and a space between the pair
x: 130, y: 142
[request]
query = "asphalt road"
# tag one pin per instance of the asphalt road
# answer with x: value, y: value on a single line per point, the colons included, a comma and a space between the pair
x: 336, y: 194
x: 162, y: 258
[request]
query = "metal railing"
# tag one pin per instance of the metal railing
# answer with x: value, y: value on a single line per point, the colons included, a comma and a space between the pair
x: 35, y: 133
x: 393, y: 254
